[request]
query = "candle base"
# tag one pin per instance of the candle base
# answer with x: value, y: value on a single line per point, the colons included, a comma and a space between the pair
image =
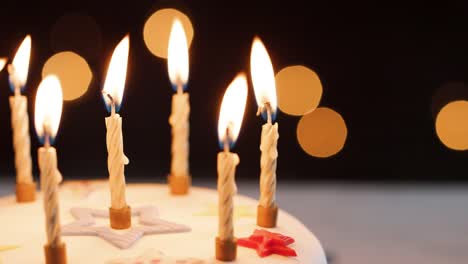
x: 267, y: 216
x: 120, y: 218
x: 179, y: 185
x: 55, y: 254
x: 226, y: 250
x: 25, y: 192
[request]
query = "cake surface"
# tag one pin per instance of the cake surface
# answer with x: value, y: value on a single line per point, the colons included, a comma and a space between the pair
x: 23, y: 228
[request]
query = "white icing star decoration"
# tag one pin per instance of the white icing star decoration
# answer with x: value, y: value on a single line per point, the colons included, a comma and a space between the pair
x: 149, y: 224
x: 152, y: 256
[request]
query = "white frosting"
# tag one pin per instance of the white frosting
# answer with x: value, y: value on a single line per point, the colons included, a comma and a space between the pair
x: 116, y: 161
x: 21, y: 140
x: 180, y: 134
x: 268, y: 160
x: 23, y: 225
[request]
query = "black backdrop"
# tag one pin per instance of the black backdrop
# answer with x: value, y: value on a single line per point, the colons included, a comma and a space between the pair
x: 380, y: 66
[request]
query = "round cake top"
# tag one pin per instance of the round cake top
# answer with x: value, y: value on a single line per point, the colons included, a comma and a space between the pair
x: 165, y: 228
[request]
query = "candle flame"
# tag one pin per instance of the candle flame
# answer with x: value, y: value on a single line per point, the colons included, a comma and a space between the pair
x: 20, y: 65
x: 263, y: 76
x: 232, y: 110
x: 178, y: 58
x: 48, y: 109
x: 2, y: 63
x: 116, y: 75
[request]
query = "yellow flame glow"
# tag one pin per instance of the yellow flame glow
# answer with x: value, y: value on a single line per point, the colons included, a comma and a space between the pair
x: 21, y: 62
x: 178, y: 59
x: 263, y: 75
x: 232, y: 109
x: 48, y: 109
x: 2, y: 63
x: 116, y: 73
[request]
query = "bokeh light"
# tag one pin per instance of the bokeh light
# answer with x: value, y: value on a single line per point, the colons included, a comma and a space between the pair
x: 158, y: 28
x: 78, y: 33
x: 452, y: 125
x: 73, y: 71
x: 3, y: 61
x: 322, y: 133
x: 299, y: 90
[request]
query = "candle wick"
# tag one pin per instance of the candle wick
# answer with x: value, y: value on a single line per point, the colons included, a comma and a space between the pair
x: 112, y: 103
x: 266, y: 107
x: 47, y: 141
x: 46, y: 136
x: 180, y: 88
x: 226, y: 141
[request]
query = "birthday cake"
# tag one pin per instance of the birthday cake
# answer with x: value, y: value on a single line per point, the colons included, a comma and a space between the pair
x: 165, y: 229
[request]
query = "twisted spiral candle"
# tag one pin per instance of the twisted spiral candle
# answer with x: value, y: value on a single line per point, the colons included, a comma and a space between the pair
x: 21, y: 140
x: 227, y: 163
x: 116, y: 160
x: 268, y: 161
x: 180, y: 134
x: 50, y: 178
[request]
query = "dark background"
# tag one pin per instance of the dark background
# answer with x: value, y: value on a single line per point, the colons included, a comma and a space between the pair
x: 380, y: 65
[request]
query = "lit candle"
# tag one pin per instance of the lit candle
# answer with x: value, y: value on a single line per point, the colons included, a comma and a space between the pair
x: 25, y: 186
x: 229, y: 124
x: 263, y: 79
x: 120, y: 214
x: 178, y: 68
x: 48, y: 111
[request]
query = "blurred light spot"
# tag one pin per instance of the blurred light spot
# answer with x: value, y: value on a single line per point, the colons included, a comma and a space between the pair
x: 72, y: 70
x: 299, y: 90
x: 452, y: 125
x: 322, y: 133
x: 158, y: 27
x: 78, y: 33
x: 448, y: 92
x: 2, y: 63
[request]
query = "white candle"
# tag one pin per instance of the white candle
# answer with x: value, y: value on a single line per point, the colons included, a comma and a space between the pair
x: 227, y: 163
x: 21, y: 140
x: 179, y: 121
x: 48, y: 111
x: 230, y: 121
x: 116, y: 160
x: 268, y: 160
x: 263, y: 80
x: 113, y: 94
x: 50, y: 179
x: 178, y: 69
x: 18, y: 71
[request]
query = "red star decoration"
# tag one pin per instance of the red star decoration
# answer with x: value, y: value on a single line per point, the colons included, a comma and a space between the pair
x: 267, y: 243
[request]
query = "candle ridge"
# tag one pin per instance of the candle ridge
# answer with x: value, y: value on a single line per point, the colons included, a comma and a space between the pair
x: 21, y: 140
x: 50, y: 178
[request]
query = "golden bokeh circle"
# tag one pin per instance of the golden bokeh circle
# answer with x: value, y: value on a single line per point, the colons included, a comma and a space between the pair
x: 73, y: 71
x: 158, y: 28
x: 299, y: 90
x: 322, y: 133
x: 452, y: 125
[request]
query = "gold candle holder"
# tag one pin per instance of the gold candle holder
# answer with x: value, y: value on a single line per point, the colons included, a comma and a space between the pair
x: 226, y: 250
x: 267, y: 216
x: 179, y: 185
x: 25, y: 192
x: 120, y: 218
x: 55, y: 254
